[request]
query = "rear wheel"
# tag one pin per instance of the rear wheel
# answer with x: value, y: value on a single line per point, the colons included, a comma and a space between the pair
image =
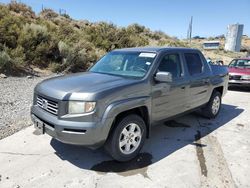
x: 127, y: 138
x: 212, y: 108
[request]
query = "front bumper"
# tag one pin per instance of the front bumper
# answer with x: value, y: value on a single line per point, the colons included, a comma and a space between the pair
x: 239, y: 83
x: 90, y: 134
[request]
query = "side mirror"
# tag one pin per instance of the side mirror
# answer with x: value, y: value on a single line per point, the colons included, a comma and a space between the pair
x: 163, y: 77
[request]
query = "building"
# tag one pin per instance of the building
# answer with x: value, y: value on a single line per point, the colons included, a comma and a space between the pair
x: 211, y: 45
x: 233, y: 37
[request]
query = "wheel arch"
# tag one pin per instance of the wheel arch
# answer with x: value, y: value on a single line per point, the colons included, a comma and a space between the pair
x: 141, y: 111
x: 220, y: 89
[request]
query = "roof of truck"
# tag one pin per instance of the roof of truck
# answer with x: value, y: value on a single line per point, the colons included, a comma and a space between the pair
x: 154, y: 49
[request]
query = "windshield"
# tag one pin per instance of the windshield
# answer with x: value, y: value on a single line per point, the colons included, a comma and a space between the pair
x: 128, y: 64
x: 240, y: 63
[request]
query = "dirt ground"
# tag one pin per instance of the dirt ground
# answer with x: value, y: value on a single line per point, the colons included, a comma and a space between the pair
x: 187, y: 152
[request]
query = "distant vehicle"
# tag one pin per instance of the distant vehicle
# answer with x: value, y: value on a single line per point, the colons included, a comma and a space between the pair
x: 126, y: 93
x: 239, y: 72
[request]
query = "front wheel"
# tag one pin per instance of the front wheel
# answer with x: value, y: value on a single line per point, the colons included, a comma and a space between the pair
x: 212, y: 108
x: 127, y: 138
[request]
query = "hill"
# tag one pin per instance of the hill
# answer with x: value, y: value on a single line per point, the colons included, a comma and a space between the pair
x: 60, y: 43
x: 49, y: 41
x: 221, y: 54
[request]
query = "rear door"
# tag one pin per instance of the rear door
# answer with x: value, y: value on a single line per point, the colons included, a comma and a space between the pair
x: 199, y: 80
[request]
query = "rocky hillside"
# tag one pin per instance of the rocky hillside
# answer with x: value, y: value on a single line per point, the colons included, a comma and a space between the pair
x: 51, y: 42
x: 60, y: 43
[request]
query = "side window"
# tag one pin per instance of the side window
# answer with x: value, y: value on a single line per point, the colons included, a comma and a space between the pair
x: 194, y: 63
x: 171, y: 63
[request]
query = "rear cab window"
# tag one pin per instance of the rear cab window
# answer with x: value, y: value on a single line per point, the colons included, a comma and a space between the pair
x: 194, y: 63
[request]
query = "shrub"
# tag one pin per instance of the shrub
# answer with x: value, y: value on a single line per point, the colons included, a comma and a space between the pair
x: 101, y: 35
x: 35, y: 39
x: 64, y: 49
x: 18, y: 56
x: 10, y: 27
x: 109, y: 36
x: 3, y: 11
x: 171, y: 42
x: 75, y: 58
x: 48, y: 14
x: 68, y: 33
x: 136, y: 28
x: 21, y: 8
x: 65, y: 15
x: 6, y: 63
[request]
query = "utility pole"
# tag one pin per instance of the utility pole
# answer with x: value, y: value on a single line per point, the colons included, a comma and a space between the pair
x: 62, y: 11
x: 190, y: 28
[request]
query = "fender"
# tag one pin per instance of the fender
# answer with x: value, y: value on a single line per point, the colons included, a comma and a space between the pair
x: 118, y: 107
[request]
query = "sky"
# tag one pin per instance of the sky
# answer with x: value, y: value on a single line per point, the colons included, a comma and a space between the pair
x: 210, y: 17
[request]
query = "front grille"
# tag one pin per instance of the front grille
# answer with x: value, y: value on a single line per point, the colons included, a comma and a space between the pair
x: 48, y: 105
x: 234, y: 77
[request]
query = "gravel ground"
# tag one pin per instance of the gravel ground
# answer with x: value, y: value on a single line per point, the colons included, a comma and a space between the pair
x: 15, y: 100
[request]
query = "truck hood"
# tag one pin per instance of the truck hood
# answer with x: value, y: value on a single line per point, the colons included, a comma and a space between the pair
x: 84, y: 84
x: 239, y: 71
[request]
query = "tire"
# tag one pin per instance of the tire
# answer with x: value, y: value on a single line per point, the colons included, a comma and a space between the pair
x: 213, y: 107
x: 123, y: 143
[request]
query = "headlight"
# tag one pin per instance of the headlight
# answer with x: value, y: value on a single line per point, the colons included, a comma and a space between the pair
x: 245, y: 77
x: 79, y: 107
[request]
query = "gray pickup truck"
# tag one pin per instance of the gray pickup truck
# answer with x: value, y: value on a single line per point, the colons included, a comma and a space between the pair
x: 128, y: 91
